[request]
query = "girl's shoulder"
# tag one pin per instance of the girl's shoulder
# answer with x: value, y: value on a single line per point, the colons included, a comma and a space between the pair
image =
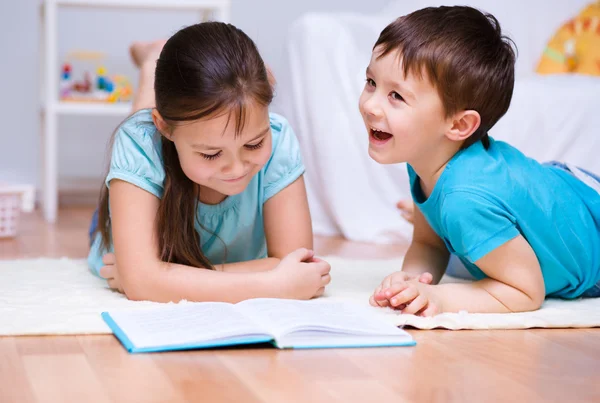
x: 139, y: 125
x: 285, y: 164
x: 136, y: 154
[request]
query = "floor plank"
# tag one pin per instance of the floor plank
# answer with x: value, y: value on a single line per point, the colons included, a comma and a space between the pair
x: 445, y: 366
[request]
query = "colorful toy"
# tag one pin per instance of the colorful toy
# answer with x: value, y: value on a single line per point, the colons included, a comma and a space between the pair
x: 101, y: 88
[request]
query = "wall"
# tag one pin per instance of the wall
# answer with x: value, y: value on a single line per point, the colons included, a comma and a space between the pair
x: 83, y: 139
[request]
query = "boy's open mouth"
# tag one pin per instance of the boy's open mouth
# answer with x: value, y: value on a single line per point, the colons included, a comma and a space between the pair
x: 380, y: 135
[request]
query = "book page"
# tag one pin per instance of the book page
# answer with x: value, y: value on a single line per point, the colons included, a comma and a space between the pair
x: 184, y: 323
x: 282, y: 317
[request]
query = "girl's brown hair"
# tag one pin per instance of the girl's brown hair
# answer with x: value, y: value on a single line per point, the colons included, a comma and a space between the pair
x: 203, y: 70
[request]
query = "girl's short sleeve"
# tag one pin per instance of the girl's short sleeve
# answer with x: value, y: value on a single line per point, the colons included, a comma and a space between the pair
x: 285, y: 164
x: 136, y: 155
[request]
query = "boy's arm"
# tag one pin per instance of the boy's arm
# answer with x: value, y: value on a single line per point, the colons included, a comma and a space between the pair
x: 427, y: 252
x: 515, y: 283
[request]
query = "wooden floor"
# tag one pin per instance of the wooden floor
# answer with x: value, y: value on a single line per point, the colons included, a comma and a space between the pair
x: 445, y: 366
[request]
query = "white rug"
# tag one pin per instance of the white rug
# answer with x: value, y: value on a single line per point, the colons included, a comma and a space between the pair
x: 60, y: 296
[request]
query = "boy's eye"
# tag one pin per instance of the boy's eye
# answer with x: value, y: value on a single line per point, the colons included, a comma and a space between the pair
x: 211, y: 156
x: 255, y: 146
x: 396, y: 96
x: 370, y: 82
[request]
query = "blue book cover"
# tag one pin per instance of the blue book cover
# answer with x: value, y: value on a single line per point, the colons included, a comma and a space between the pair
x: 283, y: 323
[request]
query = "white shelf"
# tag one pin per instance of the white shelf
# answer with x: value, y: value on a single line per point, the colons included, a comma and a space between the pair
x: 93, y: 108
x: 150, y: 4
x: 49, y: 76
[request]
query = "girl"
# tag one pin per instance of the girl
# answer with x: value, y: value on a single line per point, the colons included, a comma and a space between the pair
x: 204, y: 199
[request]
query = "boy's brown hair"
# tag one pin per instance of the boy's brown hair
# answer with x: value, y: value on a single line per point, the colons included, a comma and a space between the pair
x: 464, y: 55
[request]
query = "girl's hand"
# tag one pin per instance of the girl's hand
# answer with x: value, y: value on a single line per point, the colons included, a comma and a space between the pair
x: 413, y: 297
x: 300, y: 275
x: 379, y: 299
x: 110, y: 273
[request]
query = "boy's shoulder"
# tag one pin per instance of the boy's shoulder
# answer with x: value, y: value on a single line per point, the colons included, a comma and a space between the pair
x: 492, y: 173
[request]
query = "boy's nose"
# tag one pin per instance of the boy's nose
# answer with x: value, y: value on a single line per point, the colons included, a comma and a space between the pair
x: 372, y: 108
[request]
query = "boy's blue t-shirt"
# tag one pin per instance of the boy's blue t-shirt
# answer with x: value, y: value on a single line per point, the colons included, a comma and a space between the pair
x: 231, y: 231
x: 485, y: 198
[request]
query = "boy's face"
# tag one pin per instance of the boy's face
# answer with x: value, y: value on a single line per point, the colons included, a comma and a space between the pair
x: 404, y: 116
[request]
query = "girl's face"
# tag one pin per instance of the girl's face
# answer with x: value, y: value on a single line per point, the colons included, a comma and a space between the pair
x: 220, y: 161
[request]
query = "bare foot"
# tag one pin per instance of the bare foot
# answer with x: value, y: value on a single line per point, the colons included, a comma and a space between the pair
x: 142, y: 52
x: 407, y: 209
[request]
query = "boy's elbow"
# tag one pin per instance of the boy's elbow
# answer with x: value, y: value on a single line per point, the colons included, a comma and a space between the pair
x: 537, y: 300
x: 534, y: 300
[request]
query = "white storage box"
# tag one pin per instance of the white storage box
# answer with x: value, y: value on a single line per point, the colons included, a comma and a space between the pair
x: 14, y: 200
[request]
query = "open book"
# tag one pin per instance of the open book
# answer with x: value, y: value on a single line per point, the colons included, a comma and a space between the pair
x: 284, y: 323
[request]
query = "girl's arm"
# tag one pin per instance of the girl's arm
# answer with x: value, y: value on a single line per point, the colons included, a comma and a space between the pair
x: 143, y: 276
x: 287, y: 227
x: 287, y: 220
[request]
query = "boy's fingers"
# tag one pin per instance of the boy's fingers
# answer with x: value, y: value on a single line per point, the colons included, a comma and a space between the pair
x: 395, y: 288
x: 426, y: 278
x: 405, y: 296
x: 377, y: 291
x: 416, y: 305
x: 326, y: 279
x: 383, y: 303
x: 431, y: 310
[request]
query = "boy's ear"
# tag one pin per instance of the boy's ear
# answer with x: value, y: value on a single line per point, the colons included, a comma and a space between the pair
x: 464, y: 124
x: 160, y: 124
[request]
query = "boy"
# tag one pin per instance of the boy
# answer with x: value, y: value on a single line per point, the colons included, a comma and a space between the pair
x: 438, y: 80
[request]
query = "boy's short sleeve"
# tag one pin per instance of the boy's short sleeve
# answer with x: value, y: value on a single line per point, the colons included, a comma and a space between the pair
x: 474, y: 225
x: 285, y: 164
x: 136, y: 157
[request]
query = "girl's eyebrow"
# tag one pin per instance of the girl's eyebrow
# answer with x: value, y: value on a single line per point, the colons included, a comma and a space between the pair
x: 207, y: 147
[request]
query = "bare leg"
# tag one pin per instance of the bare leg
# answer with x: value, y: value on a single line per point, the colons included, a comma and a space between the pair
x: 144, y: 55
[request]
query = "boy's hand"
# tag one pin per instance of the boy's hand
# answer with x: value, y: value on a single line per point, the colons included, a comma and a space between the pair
x: 413, y: 297
x: 399, y: 276
x: 110, y: 273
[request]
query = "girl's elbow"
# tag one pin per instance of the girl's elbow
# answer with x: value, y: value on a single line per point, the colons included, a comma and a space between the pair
x: 135, y: 291
x: 136, y: 286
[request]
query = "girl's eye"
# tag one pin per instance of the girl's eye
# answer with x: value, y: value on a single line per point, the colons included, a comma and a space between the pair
x: 370, y: 82
x: 211, y: 157
x: 396, y: 96
x: 255, y: 146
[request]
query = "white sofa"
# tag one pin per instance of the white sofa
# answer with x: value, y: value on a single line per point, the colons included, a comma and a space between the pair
x: 550, y: 118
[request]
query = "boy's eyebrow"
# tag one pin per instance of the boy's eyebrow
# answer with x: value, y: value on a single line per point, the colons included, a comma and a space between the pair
x: 405, y: 91
x: 207, y: 147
